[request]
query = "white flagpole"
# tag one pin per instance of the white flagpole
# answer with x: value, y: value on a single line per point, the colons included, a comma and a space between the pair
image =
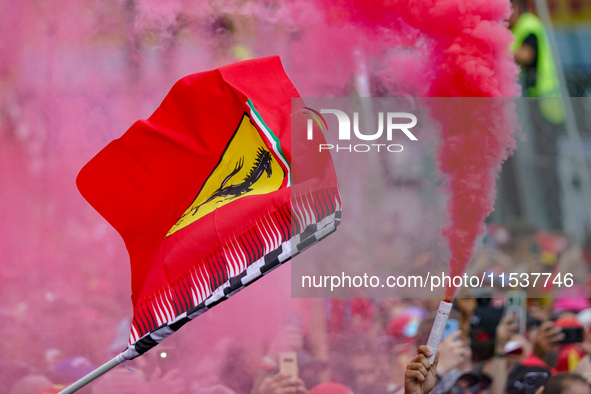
x: 106, y: 367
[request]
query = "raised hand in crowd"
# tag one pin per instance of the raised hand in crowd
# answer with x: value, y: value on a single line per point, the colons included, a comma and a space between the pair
x: 544, y: 339
x: 466, y: 306
x: 507, y: 328
x: 420, y: 376
x: 452, y: 353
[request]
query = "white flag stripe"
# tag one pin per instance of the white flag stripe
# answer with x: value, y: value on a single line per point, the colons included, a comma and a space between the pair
x: 206, y: 281
x: 170, y: 299
x: 266, y: 250
x: 309, y: 220
x: 273, y: 235
x: 311, y: 209
x: 194, y: 296
x: 276, y: 232
x: 160, y: 310
x: 202, y: 286
x: 166, y: 310
x: 235, y: 256
x: 296, y: 213
x: 157, y: 315
x: 243, y: 260
x: 135, y: 334
x: 303, y: 213
x: 230, y: 263
x: 197, y: 287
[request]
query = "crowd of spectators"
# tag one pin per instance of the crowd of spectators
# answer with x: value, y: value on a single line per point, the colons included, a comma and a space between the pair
x: 373, y: 346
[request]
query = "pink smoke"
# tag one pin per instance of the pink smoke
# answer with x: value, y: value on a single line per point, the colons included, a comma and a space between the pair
x: 76, y: 76
x: 461, y: 49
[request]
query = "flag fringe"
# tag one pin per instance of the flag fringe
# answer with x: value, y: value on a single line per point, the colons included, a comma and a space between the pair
x: 310, y: 216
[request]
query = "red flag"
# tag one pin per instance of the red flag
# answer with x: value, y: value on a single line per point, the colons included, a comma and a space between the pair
x: 203, y: 194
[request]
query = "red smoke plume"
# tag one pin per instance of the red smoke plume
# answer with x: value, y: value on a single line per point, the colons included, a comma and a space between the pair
x: 468, y: 45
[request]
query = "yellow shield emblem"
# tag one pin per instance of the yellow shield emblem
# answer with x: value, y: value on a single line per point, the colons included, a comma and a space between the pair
x: 247, y: 168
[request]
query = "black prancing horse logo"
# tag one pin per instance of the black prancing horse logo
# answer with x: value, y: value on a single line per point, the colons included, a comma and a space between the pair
x: 261, y: 165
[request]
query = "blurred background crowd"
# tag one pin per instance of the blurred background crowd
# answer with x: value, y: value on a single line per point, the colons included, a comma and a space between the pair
x: 51, y: 335
x: 354, y: 345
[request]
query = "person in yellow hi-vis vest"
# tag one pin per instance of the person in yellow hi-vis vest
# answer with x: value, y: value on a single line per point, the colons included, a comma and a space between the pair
x: 533, y: 53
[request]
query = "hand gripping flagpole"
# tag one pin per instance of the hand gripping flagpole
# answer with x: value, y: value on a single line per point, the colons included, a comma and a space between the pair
x: 103, y: 369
